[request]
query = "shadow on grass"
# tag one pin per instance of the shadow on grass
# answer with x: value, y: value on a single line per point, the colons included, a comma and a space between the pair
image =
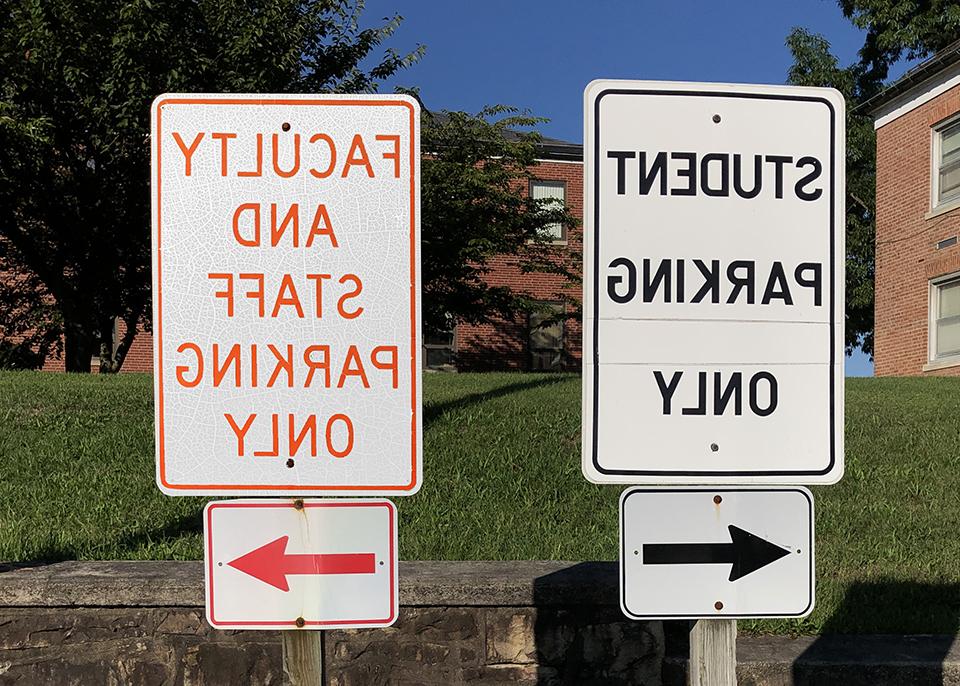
x: 581, y: 637
x: 434, y: 411
x: 888, y: 609
x: 184, y: 525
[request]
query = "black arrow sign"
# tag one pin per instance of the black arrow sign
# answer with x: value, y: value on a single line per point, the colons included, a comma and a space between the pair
x: 746, y: 553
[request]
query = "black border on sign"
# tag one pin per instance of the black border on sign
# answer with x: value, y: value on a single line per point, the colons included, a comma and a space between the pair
x: 785, y: 489
x: 596, y: 283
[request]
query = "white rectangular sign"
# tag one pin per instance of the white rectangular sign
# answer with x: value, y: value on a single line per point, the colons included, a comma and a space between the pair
x: 692, y: 553
x: 330, y: 564
x: 286, y: 288
x: 714, y: 283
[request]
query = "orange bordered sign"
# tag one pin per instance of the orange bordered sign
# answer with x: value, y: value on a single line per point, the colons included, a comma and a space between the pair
x: 286, y: 288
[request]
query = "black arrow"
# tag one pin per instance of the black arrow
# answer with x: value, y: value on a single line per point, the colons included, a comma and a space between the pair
x: 746, y: 553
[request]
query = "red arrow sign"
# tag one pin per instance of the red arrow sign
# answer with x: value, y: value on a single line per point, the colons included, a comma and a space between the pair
x: 271, y: 564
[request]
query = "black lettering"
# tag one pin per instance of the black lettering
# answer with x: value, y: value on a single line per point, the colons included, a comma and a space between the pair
x: 757, y: 177
x: 701, y: 407
x: 721, y: 397
x: 690, y: 173
x: 754, y: 403
x: 679, y: 280
x: 621, y: 156
x: 739, y: 283
x: 777, y: 277
x: 724, y: 160
x: 658, y: 168
x: 778, y: 162
x: 615, y: 280
x: 813, y: 282
x: 652, y: 285
x: 809, y: 178
x: 711, y: 281
x: 667, y: 391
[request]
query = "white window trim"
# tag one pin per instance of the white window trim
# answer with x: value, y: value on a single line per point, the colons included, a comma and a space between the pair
x: 559, y: 183
x: 935, y: 202
x: 934, y: 362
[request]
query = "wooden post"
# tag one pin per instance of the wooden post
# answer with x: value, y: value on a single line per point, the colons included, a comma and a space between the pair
x: 303, y: 658
x: 713, y: 653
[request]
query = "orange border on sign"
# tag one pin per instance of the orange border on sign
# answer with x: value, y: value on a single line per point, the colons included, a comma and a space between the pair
x: 413, y: 299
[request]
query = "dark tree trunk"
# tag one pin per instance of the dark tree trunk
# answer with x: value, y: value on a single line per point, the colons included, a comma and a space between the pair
x: 78, y: 348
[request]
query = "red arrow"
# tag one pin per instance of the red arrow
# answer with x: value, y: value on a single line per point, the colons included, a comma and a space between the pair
x: 271, y: 564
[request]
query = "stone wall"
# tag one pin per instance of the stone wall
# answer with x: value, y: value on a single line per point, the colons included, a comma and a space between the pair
x: 482, y: 623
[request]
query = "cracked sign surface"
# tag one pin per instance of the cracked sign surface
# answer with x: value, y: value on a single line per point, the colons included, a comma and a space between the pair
x: 331, y: 564
x: 286, y: 294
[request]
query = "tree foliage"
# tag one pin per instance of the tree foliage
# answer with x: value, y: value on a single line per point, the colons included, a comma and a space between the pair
x: 475, y: 174
x: 895, y: 29
x: 76, y: 81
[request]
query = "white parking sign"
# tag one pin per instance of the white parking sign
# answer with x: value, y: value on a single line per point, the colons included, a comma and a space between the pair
x: 714, y: 283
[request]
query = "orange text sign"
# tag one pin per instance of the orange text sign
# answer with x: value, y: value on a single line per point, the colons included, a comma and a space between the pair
x: 286, y: 289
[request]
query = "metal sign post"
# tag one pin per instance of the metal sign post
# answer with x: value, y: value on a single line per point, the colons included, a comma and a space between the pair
x: 713, y: 343
x: 286, y: 295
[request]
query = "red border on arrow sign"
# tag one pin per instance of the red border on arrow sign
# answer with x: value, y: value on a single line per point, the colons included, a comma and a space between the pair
x: 292, y: 623
x: 281, y: 488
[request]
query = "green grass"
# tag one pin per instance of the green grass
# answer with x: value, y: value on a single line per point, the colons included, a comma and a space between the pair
x: 502, y: 481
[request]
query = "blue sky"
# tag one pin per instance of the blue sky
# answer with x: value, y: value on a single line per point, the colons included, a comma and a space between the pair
x: 539, y: 54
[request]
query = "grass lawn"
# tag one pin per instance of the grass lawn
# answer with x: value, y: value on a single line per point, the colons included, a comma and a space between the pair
x: 502, y: 481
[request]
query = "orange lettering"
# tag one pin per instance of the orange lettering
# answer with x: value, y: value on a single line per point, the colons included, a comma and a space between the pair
x: 286, y: 285
x: 333, y: 155
x: 326, y: 229
x: 353, y: 358
x: 227, y: 294
x: 187, y: 150
x: 390, y: 364
x: 296, y: 156
x: 252, y: 242
x: 257, y: 294
x: 323, y: 365
x: 318, y: 278
x: 183, y: 369
x: 395, y: 155
x: 240, y: 432
x: 358, y: 160
x: 352, y: 294
x: 276, y: 440
x: 223, y: 138
x: 283, y: 363
x: 232, y: 358
x: 311, y: 424
x: 349, y: 426
x: 259, y: 170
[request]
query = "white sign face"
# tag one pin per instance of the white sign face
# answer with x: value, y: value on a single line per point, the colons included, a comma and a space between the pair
x: 693, y: 553
x: 331, y: 564
x: 286, y: 288
x: 714, y: 283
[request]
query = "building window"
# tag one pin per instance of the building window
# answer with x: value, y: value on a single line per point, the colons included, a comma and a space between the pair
x: 946, y: 160
x: 439, y: 347
x: 945, y: 318
x: 556, y: 193
x: 546, y: 338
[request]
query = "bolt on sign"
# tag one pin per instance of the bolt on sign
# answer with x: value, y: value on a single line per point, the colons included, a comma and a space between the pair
x: 714, y: 552
x: 310, y: 564
x: 286, y: 289
x: 714, y: 283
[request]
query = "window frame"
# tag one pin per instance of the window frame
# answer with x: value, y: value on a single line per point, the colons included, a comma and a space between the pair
x: 937, y: 131
x: 562, y: 240
x: 561, y: 309
x: 933, y: 316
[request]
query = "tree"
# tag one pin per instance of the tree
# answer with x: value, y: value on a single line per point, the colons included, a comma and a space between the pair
x: 473, y: 177
x: 895, y: 29
x: 76, y: 81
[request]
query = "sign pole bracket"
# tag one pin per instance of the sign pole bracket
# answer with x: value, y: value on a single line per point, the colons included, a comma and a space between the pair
x: 713, y: 653
x: 303, y: 658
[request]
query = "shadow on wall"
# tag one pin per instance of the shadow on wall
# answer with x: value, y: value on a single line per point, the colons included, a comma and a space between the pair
x: 884, y: 608
x: 580, y: 636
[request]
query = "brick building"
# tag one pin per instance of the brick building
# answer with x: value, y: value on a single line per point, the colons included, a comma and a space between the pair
x: 519, y: 343
x: 917, y: 315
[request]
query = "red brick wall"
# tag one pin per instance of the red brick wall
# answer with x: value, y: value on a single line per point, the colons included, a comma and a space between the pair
x: 906, y: 254
x: 505, y: 344
x: 502, y: 344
